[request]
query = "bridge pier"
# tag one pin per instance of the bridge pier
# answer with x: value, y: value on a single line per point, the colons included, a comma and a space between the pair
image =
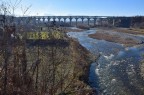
x: 82, y: 20
x: 54, y: 19
x: 59, y: 20
x: 76, y: 21
x: 43, y: 19
x: 48, y: 19
x: 70, y: 21
x: 113, y: 22
x: 64, y: 20
x: 94, y: 21
x: 38, y: 20
x: 88, y: 20
x: 100, y: 21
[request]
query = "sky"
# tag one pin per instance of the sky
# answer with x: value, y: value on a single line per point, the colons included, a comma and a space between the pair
x: 83, y: 7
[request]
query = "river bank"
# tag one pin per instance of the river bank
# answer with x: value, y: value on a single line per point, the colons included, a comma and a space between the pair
x: 82, y: 58
x: 117, y: 35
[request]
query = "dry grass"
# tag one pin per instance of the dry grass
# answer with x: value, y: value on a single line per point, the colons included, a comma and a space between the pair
x: 61, y: 69
x: 100, y: 35
x: 136, y: 31
x: 73, y: 30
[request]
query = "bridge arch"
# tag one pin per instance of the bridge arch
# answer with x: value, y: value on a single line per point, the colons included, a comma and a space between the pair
x: 72, y: 20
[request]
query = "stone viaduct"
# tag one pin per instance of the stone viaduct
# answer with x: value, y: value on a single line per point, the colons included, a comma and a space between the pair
x: 68, y: 19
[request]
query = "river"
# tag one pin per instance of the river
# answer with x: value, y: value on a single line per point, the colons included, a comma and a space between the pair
x: 116, y: 72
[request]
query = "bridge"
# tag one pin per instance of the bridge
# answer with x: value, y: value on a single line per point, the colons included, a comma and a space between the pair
x: 66, y: 19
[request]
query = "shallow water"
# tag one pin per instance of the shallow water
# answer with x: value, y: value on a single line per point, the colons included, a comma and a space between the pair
x: 117, y: 70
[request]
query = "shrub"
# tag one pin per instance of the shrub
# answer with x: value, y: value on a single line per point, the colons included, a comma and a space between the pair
x: 83, y: 27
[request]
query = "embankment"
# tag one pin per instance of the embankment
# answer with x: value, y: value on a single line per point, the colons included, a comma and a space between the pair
x: 50, y: 67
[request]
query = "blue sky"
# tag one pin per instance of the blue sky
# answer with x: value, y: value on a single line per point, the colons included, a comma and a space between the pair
x: 85, y: 7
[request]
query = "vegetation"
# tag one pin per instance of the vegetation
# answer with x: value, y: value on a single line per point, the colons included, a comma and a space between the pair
x: 113, y: 37
x: 50, y: 34
x: 40, y: 63
x: 45, y: 70
x: 83, y: 27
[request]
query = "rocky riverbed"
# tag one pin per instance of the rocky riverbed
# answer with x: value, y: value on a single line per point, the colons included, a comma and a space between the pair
x: 118, y: 70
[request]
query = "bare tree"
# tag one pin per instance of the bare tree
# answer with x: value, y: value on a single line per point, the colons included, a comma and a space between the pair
x: 36, y: 70
x: 7, y: 11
